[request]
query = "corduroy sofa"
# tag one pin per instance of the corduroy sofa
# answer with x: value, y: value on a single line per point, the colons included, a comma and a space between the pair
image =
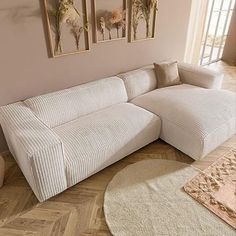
x: 61, y: 138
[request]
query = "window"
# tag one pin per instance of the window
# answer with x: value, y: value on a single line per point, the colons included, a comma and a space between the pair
x: 218, y: 18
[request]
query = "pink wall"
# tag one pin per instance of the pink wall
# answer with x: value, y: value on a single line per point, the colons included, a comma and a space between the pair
x: 27, y: 71
x: 229, y: 54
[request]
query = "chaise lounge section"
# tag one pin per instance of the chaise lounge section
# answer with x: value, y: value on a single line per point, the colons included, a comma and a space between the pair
x: 61, y: 138
x: 194, y: 120
x: 196, y: 116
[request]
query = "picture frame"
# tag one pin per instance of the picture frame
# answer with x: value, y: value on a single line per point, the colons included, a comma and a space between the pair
x: 146, y: 25
x: 67, y: 27
x: 113, y: 27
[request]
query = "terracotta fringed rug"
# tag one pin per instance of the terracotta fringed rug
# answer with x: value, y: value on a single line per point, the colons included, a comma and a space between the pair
x: 215, y: 188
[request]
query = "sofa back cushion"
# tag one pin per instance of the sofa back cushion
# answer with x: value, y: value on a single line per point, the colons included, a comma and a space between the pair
x: 138, y: 82
x: 63, y: 106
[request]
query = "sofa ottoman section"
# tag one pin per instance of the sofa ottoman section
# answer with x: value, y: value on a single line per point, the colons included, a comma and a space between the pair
x: 194, y: 120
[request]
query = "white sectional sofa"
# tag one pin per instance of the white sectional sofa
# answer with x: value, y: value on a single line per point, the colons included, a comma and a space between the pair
x: 196, y: 116
x: 61, y: 138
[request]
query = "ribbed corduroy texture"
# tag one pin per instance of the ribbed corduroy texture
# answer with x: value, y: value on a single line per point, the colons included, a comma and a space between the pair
x: 36, y: 148
x: 95, y: 141
x: 194, y: 120
x: 143, y: 80
x: 96, y: 131
x: 60, y: 107
x: 199, y: 76
x: 138, y: 82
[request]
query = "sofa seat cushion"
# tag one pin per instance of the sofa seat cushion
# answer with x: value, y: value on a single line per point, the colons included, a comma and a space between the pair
x: 95, y: 141
x: 194, y: 120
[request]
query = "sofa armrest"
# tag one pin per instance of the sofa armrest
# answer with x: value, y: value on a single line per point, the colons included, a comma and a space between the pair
x: 201, y: 77
x: 36, y: 148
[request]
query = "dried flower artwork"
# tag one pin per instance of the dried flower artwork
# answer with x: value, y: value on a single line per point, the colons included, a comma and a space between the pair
x: 110, y: 22
x: 66, y: 18
x: 143, y: 11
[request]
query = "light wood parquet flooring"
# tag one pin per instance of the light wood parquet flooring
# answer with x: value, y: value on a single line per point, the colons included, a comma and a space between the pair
x: 229, y: 74
x: 79, y: 210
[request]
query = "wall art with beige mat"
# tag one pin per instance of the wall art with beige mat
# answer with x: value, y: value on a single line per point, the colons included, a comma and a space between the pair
x: 148, y: 198
x: 67, y: 25
x: 215, y: 188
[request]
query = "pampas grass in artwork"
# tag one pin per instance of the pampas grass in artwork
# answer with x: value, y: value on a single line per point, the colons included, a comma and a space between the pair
x: 147, y: 6
x: 115, y: 19
x: 118, y: 20
x: 66, y: 13
x: 102, y: 25
x: 110, y: 20
x: 142, y: 10
x: 136, y: 16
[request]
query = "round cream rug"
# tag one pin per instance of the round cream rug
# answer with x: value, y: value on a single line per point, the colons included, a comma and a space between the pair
x: 147, y: 198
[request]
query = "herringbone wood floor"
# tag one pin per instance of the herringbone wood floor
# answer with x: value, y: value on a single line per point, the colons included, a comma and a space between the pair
x: 78, y: 211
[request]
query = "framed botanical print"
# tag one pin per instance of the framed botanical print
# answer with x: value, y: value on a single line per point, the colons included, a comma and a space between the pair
x: 142, y: 21
x: 109, y: 20
x: 67, y: 22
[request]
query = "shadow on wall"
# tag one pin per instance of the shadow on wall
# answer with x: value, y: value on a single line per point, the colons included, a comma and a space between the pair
x: 45, y: 28
x: 17, y: 15
x: 20, y: 13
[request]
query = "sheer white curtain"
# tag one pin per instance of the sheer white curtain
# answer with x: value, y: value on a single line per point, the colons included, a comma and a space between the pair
x: 195, y: 31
